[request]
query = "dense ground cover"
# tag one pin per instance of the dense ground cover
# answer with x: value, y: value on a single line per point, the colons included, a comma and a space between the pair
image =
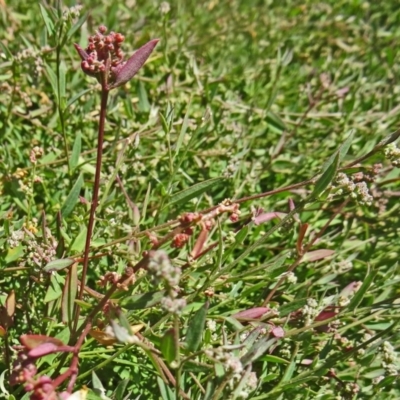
x: 289, y: 109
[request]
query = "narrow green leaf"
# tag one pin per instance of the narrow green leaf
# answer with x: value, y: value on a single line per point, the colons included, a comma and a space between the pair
x: 344, y: 148
x: 326, y: 178
x: 182, y: 133
x: 47, y: 20
x: 164, y: 123
x: 141, y: 301
x: 295, y: 305
x: 54, y: 290
x: 196, y: 190
x: 257, y: 351
x: 121, y: 388
x: 52, y: 77
x: 168, y: 346
x: 274, y: 359
x: 146, y: 202
x: 72, y: 198
x: 58, y: 265
x: 143, y: 105
x: 289, y: 372
x: 69, y: 294
x: 7, y: 52
x: 77, y: 25
x: 165, y: 391
x: 98, y: 387
x: 358, y: 297
x: 73, y: 99
x: 342, y: 151
x: 78, y: 244
x: 76, y: 150
x: 62, y: 72
x: 196, y: 327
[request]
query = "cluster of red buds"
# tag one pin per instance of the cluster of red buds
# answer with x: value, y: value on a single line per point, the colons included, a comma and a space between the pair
x: 104, y: 59
x: 205, y: 221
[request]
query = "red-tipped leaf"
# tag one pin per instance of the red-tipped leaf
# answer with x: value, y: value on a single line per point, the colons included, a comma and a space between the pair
x: 135, y: 62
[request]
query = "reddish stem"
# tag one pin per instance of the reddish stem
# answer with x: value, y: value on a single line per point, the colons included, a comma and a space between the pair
x: 95, y: 197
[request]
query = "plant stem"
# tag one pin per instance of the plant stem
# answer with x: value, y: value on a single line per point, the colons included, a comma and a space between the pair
x: 95, y: 197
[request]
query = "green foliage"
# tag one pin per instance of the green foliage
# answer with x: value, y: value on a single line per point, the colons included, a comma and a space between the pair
x: 281, y: 107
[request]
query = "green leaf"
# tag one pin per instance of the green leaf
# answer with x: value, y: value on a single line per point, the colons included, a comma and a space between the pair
x: 73, y: 99
x: 195, y: 328
x: 141, y: 301
x: 143, y: 105
x: 98, y: 387
x: 62, y: 73
x: 182, y: 133
x: 72, y: 198
x: 326, y: 178
x: 257, y: 351
x: 76, y: 151
x: 14, y: 254
x: 168, y: 345
x: 165, y: 391
x: 121, y: 388
x: 343, y: 149
x: 78, y: 244
x: 357, y: 298
x: 295, y: 305
x: 69, y: 294
x: 47, y: 20
x: 57, y: 265
x: 196, y: 190
x: 77, y: 25
x: 52, y: 79
x: 274, y: 359
x: 54, y: 290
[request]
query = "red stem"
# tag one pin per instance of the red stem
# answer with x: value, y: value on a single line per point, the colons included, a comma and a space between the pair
x: 95, y: 198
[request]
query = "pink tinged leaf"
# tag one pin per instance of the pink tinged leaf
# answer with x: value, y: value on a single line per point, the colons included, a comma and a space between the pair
x: 317, y: 255
x: 278, y: 332
x: 32, y: 341
x: 43, y: 350
x: 198, y: 247
x: 306, y: 361
x: 82, y: 53
x: 10, y: 304
x: 350, y: 289
x: 135, y: 62
x: 265, y: 217
x: 325, y: 314
x: 328, y: 313
x: 251, y: 313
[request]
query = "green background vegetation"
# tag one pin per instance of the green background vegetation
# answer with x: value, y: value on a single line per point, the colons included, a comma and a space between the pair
x: 256, y: 95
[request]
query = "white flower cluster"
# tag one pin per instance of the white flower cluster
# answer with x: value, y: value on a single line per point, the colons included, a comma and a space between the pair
x: 235, y: 371
x: 161, y: 268
x: 165, y: 7
x: 31, y: 54
x: 72, y: 13
x: 390, y: 360
x: 310, y: 311
x: 173, y: 305
x: 358, y: 191
x: 392, y: 153
x: 38, y: 251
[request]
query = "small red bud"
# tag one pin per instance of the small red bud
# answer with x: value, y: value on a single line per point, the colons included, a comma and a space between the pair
x: 119, y: 38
